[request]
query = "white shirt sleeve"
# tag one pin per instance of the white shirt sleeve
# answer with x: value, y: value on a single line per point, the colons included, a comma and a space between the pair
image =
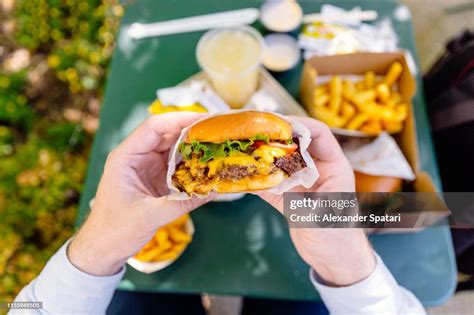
x: 64, y: 289
x: 377, y: 294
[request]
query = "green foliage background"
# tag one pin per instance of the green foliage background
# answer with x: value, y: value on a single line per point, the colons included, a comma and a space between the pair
x: 43, y: 154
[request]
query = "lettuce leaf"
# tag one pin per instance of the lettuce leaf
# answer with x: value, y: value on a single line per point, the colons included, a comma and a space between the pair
x: 216, y: 150
x: 260, y: 137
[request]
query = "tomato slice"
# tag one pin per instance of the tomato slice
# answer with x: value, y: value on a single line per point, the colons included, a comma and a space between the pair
x: 258, y: 143
x: 290, y: 148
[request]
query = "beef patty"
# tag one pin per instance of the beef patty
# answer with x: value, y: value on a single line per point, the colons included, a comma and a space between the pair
x: 291, y: 163
x: 236, y: 172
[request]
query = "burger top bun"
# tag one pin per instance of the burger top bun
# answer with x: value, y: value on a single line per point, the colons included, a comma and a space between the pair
x: 240, y: 126
x: 370, y: 183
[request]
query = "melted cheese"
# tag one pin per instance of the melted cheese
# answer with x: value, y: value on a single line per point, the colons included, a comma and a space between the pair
x: 262, y: 159
x: 264, y: 153
x: 268, y: 153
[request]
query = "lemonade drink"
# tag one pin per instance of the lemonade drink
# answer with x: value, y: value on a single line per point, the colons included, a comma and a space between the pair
x: 231, y: 58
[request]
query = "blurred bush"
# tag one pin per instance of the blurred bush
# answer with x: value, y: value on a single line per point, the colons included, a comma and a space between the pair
x: 77, y: 34
x: 13, y: 104
x: 39, y: 192
x: 44, y: 139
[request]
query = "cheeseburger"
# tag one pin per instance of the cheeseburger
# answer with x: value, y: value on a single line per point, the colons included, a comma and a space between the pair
x: 236, y: 152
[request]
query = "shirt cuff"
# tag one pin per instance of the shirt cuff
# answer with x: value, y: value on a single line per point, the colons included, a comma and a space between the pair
x: 377, y: 294
x: 65, y: 289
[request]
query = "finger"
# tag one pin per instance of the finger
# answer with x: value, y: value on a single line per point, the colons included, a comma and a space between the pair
x: 173, y: 122
x: 148, y: 135
x: 166, y: 142
x: 166, y: 210
x: 324, y: 145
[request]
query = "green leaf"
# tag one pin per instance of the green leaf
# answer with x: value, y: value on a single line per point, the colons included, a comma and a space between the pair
x: 208, y: 150
x: 216, y: 150
x: 212, y: 150
x: 236, y: 145
x: 261, y: 138
x: 185, y: 150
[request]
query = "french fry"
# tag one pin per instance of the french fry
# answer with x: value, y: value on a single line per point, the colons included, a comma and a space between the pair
x: 383, y: 92
x: 320, y: 100
x: 360, y: 85
x: 179, y: 236
x: 335, y: 91
x: 366, y: 105
x: 178, y: 248
x: 168, y: 242
x: 148, y: 255
x: 402, y: 112
x: 192, y: 108
x: 149, y: 245
x: 372, y: 109
x: 360, y: 99
x: 163, y: 247
x: 156, y: 107
x: 393, y: 73
x: 392, y: 126
x: 347, y: 111
x: 397, y: 114
x: 348, y: 89
x: 372, y: 126
x: 395, y: 99
x: 166, y: 256
x: 329, y: 117
x: 161, y: 236
x: 357, y: 121
x: 369, y: 79
x: 321, y: 90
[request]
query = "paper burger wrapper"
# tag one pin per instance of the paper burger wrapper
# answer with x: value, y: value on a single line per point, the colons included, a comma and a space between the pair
x: 380, y: 157
x: 305, y: 177
x: 150, y: 267
x: 195, y: 92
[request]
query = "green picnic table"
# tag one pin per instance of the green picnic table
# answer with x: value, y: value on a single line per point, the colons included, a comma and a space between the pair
x: 243, y: 247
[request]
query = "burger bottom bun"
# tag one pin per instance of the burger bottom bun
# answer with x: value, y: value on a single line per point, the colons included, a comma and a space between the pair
x: 227, y: 186
x: 246, y: 184
x: 251, y: 183
x: 370, y: 183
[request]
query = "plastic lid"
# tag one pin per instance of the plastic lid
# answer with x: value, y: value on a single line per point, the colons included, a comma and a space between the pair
x: 281, y: 52
x: 281, y: 15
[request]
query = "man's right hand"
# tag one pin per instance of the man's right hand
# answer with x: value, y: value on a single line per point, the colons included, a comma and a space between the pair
x: 341, y: 257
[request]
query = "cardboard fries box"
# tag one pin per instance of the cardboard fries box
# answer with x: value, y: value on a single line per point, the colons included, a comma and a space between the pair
x: 358, y: 64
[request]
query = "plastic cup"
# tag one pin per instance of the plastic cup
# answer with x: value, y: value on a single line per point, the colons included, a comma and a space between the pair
x: 231, y: 58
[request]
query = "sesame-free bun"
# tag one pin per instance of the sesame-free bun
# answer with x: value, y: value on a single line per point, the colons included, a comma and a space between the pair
x: 251, y: 183
x: 225, y: 186
x: 240, y: 126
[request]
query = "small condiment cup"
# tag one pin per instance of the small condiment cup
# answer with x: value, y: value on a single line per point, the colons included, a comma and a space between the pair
x: 281, y: 16
x: 281, y: 52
